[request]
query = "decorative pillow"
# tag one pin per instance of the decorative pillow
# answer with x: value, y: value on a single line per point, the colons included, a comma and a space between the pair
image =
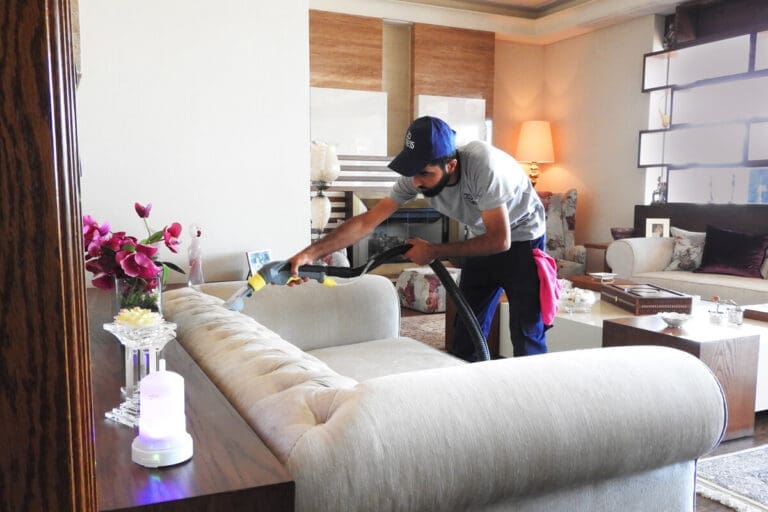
x: 689, y: 246
x: 731, y: 252
x: 764, y: 268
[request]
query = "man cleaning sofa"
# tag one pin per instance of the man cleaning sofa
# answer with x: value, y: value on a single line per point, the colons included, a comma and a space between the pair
x: 485, y: 189
x: 364, y: 419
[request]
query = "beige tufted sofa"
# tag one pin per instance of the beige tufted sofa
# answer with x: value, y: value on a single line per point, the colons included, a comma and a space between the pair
x: 643, y: 260
x: 366, y: 420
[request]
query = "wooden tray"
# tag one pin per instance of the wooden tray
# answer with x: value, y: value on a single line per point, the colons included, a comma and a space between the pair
x: 757, y: 312
x: 645, y: 299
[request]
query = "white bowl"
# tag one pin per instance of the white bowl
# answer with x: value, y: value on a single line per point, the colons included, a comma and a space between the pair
x: 603, y: 276
x: 674, y: 319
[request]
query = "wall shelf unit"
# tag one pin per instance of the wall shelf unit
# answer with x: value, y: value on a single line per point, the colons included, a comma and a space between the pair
x: 711, y: 102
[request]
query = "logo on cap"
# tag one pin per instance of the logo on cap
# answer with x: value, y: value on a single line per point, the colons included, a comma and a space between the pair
x: 409, y: 141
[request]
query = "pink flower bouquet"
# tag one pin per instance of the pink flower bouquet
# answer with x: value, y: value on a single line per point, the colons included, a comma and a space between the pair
x: 113, y: 254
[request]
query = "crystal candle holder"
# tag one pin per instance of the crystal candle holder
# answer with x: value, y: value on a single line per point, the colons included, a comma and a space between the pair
x: 142, y: 346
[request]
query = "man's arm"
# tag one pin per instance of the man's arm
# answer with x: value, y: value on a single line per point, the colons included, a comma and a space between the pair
x: 497, y: 238
x: 348, y: 233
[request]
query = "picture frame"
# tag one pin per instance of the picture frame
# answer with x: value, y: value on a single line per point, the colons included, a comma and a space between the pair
x: 657, y: 228
x: 256, y: 260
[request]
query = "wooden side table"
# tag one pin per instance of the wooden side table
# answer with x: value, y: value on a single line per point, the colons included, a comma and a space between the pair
x: 730, y: 352
x: 596, y: 256
x: 231, y: 469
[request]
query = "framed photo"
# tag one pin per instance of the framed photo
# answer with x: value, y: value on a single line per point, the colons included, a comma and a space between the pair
x: 256, y: 259
x: 658, y: 228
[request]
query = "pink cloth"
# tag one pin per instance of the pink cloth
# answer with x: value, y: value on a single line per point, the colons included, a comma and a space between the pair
x: 549, y: 286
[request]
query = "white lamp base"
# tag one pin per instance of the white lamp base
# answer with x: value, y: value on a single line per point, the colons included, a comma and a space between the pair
x: 177, y: 451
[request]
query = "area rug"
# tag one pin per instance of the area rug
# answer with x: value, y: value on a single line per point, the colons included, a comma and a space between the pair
x: 428, y: 328
x: 738, y: 480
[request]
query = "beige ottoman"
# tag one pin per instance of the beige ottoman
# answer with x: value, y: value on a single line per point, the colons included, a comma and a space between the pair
x: 421, y: 289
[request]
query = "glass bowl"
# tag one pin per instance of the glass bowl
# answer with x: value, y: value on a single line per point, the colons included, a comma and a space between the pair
x: 674, y: 319
x: 577, y: 300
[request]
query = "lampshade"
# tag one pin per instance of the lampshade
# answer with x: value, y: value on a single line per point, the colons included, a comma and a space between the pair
x: 324, y: 162
x: 321, y: 211
x: 535, y: 143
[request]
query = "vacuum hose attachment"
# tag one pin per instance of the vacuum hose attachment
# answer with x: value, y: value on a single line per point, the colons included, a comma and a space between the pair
x: 275, y: 272
x: 279, y: 272
x: 464, y: 310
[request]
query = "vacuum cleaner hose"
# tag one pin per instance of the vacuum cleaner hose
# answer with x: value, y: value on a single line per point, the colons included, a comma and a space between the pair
x: 462, y: 306
x: 465, y: 311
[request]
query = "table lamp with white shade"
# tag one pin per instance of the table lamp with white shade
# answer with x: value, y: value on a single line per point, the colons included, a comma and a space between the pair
x: 534, y: 146
x: 324, y: 169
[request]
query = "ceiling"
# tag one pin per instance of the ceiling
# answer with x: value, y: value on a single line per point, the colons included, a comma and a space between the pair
x: 546, y: 21
x: 531, y: 9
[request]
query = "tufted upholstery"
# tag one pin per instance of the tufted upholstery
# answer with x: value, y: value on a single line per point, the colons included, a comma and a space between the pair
x: 599, y: 430
x: 561, y: 223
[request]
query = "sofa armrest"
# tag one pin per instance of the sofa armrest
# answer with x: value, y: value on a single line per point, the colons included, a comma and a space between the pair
x: 313, y: 316
x: 630, y: 256
x: 458, y: 438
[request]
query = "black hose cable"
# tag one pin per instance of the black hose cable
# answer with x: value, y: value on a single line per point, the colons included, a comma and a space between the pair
x: 465, y: 311
x: 462, y: 306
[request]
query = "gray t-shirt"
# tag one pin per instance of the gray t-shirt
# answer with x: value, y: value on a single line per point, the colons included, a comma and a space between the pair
x: 489, y: 178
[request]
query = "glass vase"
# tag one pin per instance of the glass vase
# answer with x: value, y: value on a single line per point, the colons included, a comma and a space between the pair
x: 131, y: 292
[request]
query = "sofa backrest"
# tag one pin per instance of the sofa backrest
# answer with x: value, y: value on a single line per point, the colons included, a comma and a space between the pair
x: 355, y: 310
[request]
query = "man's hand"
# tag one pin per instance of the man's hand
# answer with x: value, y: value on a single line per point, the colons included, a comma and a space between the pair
x: 422, y: 252
x: 297, y: 260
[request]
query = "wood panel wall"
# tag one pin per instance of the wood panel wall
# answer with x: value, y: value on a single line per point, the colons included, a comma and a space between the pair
x: 345, y: 51
x: 45, y: 404
x: 450, y: 61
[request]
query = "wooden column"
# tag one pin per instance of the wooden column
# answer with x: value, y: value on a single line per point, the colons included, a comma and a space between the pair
x: 47, y: 433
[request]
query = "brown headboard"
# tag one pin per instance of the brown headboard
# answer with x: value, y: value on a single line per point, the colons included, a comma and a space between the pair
x: 748, y: 218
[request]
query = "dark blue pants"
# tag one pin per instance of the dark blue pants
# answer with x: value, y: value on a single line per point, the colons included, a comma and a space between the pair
x: 482, y: 280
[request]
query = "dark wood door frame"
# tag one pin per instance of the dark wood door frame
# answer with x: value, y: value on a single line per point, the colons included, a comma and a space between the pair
x: 45, y: 410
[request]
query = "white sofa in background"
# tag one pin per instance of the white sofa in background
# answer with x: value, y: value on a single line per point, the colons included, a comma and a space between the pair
x: 367, y: 420
x: 644, y: 259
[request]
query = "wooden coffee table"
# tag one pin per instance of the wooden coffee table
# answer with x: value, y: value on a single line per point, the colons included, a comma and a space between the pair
x: 730, y: 351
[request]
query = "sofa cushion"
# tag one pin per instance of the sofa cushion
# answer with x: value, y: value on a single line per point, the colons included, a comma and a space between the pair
x: 743, y: 290
x: 369, y: 359
x: 689, y: 248
x: 734, y: 253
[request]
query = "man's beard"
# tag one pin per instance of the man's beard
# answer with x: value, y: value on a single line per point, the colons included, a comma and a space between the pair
x: 432, y: 192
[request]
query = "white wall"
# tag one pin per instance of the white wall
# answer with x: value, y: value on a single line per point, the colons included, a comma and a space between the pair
x: 202, y: 108
x: 594, y: 100
x: 518, y: 91
x: 589, y: 88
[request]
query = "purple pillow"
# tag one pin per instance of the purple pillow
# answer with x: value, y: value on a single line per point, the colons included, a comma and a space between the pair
x: 734, y: 253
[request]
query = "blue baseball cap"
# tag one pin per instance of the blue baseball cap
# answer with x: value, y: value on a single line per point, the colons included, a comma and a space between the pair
x: 427, y: 139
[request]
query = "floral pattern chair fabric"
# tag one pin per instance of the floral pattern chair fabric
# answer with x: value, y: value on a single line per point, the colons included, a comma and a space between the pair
x: 561, y: 223
x: 420, y: 289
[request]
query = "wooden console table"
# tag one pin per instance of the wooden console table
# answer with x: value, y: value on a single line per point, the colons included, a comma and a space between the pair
x: 231, y: 468
x: 731, y: 353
